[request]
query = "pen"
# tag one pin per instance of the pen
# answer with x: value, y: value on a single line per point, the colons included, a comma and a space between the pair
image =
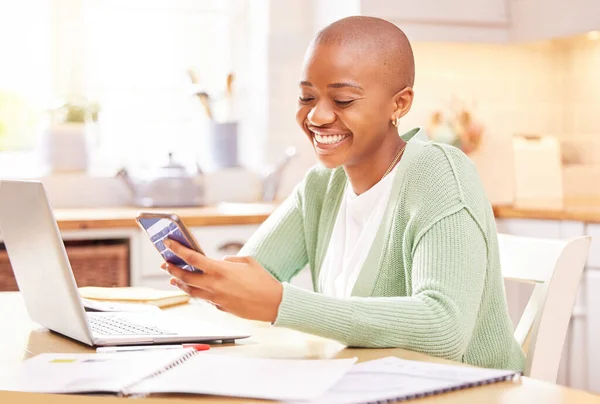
x: 132, y: 348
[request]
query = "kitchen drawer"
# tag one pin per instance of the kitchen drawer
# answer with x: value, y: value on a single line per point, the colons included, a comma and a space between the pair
x: 594, y: 256
x: 592, y: 284
x: 530, y: 227
x: 216, y: 241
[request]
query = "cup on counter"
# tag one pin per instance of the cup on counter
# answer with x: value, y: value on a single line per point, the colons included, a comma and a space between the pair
x: 223, y: 143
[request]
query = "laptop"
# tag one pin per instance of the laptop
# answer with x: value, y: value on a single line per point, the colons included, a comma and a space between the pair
x: 39, y: 260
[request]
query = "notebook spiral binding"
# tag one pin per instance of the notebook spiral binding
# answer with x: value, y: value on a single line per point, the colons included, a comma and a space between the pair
x: 179, y: 361
x: 446, y: 390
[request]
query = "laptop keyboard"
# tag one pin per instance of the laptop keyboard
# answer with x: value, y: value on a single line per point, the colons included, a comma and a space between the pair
x: 112, y: 325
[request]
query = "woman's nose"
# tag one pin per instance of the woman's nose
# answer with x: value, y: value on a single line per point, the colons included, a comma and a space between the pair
x: 321, y: 115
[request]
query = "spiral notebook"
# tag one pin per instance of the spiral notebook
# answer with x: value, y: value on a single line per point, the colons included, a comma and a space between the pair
x: 177, y: 371
x: 395, y: 379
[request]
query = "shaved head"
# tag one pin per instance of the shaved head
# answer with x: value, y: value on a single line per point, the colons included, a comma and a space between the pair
x: 384, y: 43
x: 355, y: 86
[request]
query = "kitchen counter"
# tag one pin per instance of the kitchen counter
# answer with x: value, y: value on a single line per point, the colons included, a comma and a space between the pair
x: 575, y: 209
x: 583, y: 210
x: 108, y: 218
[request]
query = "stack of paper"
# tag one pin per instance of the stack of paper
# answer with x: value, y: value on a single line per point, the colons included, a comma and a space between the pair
x: 394, y: 379
x: 177, y: 371
x: 333, y: 381
x: 156, y: 297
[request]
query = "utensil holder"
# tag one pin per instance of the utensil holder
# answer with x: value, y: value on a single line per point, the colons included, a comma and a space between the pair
x: 223, y: 143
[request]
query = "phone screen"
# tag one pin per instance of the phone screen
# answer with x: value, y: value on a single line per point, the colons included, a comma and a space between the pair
x: 160, y: 228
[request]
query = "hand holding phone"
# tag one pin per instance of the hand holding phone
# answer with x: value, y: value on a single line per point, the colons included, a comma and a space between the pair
x: 159, y: 226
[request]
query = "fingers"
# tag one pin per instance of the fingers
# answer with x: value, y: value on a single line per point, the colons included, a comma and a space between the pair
x: 235, y: 258
x: 192, y: 291
x: 240, y: 259
x: 194, y: 258
x: 194, y: 279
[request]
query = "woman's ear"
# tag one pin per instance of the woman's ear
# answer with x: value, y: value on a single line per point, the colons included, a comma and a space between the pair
x: 403, y: 101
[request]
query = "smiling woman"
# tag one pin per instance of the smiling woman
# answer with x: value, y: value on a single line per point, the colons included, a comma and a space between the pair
x: 397, y: 230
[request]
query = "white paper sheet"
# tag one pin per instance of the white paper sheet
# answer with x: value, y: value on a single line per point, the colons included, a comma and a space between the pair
x: 393, y: 378
x: 276, y: 379
x: 87, y: 373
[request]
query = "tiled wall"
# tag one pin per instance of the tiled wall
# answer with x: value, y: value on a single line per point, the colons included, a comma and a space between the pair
x: 511, y: 88
x: 582, y: 92
x: 581, y: 136
x: 549, y: 88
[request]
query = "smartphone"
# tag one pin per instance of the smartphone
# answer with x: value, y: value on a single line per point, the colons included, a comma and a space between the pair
x: 159, y: 226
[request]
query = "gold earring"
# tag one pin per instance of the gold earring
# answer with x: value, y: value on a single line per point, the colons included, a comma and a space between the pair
x: 396, y: 121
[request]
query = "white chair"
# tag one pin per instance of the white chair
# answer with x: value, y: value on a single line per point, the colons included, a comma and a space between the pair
x: 555, y: 267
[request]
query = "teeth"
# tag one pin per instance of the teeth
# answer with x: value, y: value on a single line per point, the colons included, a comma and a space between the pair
x: 329, y: 139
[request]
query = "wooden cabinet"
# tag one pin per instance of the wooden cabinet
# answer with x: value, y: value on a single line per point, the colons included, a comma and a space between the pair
x: 93, y: 262
x: 447, y: 21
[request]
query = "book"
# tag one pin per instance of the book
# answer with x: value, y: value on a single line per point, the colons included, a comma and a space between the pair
x: 156, y: 297
x: 181, y: 371
x: 395, y: 379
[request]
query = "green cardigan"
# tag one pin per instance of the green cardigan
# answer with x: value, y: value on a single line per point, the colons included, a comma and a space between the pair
x: 431, y: 281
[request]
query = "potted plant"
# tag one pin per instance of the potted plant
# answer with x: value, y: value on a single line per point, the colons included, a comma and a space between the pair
x: 66, y: 141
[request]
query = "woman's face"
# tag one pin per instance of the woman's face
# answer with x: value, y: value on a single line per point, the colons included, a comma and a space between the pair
x: 343, y: 107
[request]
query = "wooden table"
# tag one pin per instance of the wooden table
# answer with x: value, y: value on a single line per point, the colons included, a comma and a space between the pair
x: 20, y: 339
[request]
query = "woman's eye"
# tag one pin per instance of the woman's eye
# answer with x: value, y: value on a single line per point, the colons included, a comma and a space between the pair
x: 305, y: 100
x: 343, y: 103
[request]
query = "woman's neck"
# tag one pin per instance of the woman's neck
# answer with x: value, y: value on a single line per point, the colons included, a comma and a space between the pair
x: 370, y: 170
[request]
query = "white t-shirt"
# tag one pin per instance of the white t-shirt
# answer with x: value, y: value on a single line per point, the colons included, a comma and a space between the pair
x: 355, y: 228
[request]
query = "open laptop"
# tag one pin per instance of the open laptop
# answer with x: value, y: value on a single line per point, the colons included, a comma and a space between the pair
x: 44, y: 276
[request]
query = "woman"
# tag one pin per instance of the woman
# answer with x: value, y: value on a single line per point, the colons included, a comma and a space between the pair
x: 397, y: 231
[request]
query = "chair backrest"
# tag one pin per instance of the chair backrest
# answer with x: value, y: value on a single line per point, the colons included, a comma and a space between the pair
x: 555, y: 267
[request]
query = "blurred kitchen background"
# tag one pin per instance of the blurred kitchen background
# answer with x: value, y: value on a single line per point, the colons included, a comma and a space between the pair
x: 189, y: 105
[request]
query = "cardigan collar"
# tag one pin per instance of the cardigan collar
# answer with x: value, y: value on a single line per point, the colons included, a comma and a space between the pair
x: 415, y: 139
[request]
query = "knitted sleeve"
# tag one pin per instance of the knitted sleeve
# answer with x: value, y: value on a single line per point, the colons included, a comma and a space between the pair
x: 448, y: 274
x: 278, y: 244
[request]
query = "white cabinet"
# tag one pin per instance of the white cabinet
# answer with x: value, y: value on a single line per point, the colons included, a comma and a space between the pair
x: 440, y: 11
x: 216, y: 241
x: 530, y: 227
x: 487, y: 20
x: 441, y: 20
x: 594, y: 257
x: 593, y: 328
x: 544, y: 19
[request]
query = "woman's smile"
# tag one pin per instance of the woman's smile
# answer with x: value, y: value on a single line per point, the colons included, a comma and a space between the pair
x: 328, y: 139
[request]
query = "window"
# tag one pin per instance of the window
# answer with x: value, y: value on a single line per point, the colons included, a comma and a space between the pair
x: 131, y: 57
x: 136, y: 57
x: 25, y: 81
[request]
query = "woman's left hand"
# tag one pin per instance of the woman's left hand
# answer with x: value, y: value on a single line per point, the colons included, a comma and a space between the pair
x: 238, y: 285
